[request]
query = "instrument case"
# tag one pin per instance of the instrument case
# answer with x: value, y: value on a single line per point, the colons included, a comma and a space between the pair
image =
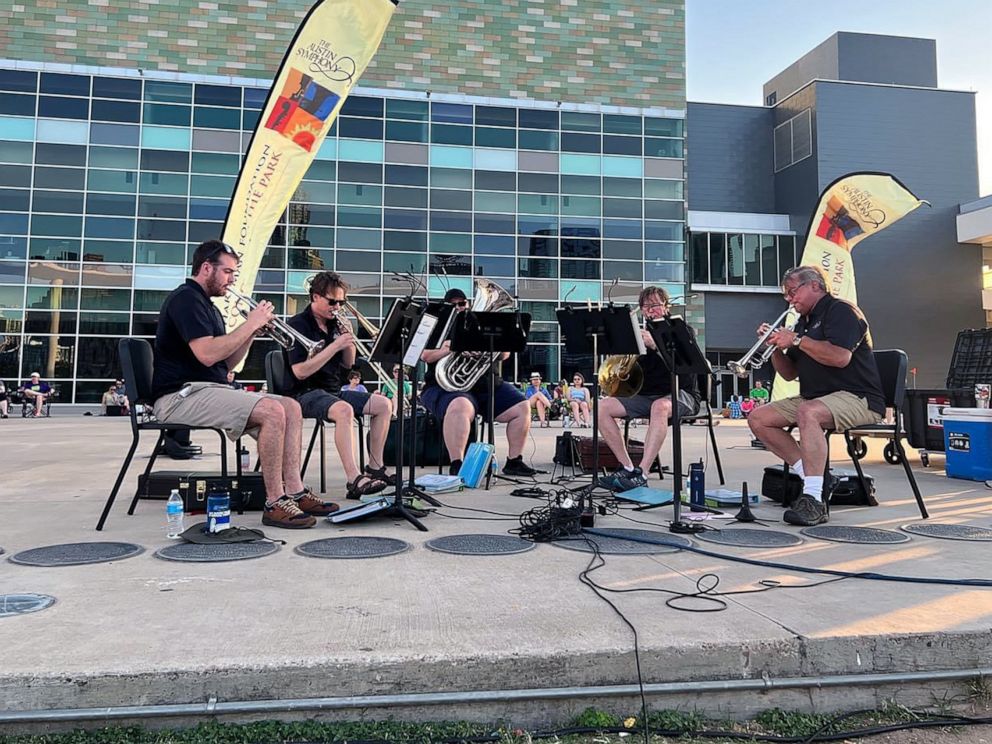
x: 247, y: 491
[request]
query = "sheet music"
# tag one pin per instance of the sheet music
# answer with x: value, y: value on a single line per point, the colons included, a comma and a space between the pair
x: 419, y: 341
x: 641, y: 348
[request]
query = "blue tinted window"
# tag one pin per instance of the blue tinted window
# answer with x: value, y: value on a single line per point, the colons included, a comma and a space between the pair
x: 495, y: 117
x: 25, y: 82
x: 104, y: 87
x: 69, y: 85
x: 537, y: 119
x: 116, y: 111
x: 498, y: 244
x: 255, y: 97
x: 63, y: 108
x: 360, y: 128
x: 217, y: 95
x: 216, y: 118
x: 362, y: 106
x: 18, y: 105
x: 451, y: 113
x: 157, y: 90
x: 404, y: 109
x: 406, y: 131
x: 176, y: 116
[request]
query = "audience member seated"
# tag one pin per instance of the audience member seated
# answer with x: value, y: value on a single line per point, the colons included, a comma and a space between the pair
x: 37, y: 392
x: 4, y: 403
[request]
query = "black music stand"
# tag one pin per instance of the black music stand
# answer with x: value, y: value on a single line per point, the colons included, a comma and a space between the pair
x: 608, y: 330
x: 682, y: 356
x: 391, y: 348
x: 490, y: 333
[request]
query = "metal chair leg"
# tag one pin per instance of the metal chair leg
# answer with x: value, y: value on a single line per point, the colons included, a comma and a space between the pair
x: 148, y: 469
x: 117, y: 483
x: 323, y: 457
x: 909, y: 476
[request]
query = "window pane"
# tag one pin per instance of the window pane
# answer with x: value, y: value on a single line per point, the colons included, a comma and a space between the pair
x: 538, y: 119
x: 108, y: 87
x: 718, y: 258
x: 495, y: 116
x: 752, y: 261
x: 769, y: 262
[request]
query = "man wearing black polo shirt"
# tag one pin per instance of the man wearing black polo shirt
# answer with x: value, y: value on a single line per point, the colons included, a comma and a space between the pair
x: 652, y: 402
x: 457, y: 410
x: 193, y: 353
x: 839, y: 386
x: 318, y: 384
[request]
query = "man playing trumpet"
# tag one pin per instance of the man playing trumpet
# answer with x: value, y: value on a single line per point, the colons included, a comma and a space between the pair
x: 839, y: 386
x: 193, y: 353
x: 319, y: 379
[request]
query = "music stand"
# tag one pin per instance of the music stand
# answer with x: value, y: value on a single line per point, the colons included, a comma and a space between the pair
x: 682, y: 356
x: 490, y: 333
x: 608, y: 330
x: 391, y: 348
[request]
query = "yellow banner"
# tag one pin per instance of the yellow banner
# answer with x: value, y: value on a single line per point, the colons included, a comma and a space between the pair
x: 330, y: 51
x: 851, y: 209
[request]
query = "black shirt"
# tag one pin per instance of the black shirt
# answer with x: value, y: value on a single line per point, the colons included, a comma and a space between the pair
x: 658, y: 379
x: 842, y: 324
x: 186, y: 314
x: 327, y: 377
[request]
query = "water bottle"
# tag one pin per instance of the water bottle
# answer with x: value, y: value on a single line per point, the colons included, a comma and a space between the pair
x: 697, y: 486
x: 245, y: 459
x: 174, y: 515
x: 218, y: 511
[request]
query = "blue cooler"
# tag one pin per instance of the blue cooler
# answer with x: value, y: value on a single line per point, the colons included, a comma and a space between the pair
x: 968, y: 443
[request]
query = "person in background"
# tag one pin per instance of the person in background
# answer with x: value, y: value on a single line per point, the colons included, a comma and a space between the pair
x: 113, y: 397
x: 407, y: 389
x: 735, y: 407
x: 37, y: 391
x: 537, y: 396
x: 758, y: 393
x: 4, y: 403
x: 579, y: 399
x: 233, y: 382
x: 355, y: 382
x: 747, y: 405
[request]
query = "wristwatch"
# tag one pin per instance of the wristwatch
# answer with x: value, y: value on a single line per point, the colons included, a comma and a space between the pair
x: 796, y: 341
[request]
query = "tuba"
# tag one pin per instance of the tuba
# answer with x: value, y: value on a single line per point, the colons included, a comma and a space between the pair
x: 458, y: 373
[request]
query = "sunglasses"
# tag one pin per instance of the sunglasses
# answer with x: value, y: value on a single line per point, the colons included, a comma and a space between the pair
x: 333, y: 302
x: 217, y: 250
x: 460, y: 303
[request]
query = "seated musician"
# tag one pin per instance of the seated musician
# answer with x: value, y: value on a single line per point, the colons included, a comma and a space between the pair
x: 839, y: 385
x: 36, y: 391
x: 652, y: 402
x: 193, y: 352
x: 319, y: 378
x: 458, y: 409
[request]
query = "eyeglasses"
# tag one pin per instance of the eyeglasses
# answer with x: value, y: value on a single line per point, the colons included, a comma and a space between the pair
x: 460, y: 303
x: 218, y: 249
x: 332, y: 301
x: 655, y: 306
x: 790, y: 293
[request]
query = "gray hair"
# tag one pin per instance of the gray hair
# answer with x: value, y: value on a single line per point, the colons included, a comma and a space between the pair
x: 806, y: 275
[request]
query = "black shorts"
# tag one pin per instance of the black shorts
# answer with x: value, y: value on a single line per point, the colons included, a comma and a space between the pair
x: 316, y: 402
x: 639, y: 406
x: 436, y: 400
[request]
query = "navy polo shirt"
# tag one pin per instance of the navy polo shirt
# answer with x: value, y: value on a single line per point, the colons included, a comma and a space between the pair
x: 844, y: 325
x: 186, y: 314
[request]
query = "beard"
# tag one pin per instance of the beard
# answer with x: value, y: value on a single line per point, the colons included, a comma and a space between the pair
x: 216, y: 286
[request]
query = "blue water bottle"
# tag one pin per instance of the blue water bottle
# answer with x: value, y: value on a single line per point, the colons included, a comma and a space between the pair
x: 697, y: 487
x: 218, y: 511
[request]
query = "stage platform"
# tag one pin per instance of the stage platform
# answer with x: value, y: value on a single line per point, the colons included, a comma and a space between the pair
x: 425, y: 635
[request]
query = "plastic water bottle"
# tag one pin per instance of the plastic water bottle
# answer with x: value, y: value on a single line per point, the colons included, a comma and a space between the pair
x: 174, y: 515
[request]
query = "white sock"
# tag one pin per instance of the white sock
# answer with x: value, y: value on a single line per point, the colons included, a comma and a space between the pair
x: 813, y: 485
x: 797, y: 468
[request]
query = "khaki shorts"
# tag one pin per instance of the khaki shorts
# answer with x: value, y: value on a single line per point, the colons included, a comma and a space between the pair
x: 848, y: 409
x: 210, y: 404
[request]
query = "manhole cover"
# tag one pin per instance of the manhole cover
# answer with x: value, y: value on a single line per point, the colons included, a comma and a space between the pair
x: 216, y: 553
x: 352, y: 547
x: 22, y: 604
x: 480, y: 544
x: 76, y: 554
x: 617, y: 541
x: 845, y: 534
x: 949, y: 531
x: 751, y: 538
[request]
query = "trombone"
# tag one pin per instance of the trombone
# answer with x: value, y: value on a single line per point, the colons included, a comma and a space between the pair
x: 756, y: 357
x: 282, y: 333
x: 344, y: 324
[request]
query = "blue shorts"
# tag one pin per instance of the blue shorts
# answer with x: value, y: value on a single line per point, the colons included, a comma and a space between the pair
x: 316, y: 402
x: 436, y: 400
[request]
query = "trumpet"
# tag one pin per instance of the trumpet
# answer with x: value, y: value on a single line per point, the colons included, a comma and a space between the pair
x: 756, y: 357
x: 282, y: 333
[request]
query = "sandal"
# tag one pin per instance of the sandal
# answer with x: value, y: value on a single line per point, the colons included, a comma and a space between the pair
x: 381, y: 474
x: 364, y: 485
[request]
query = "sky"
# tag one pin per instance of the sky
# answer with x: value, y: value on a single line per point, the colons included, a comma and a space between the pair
x: 734, y: 46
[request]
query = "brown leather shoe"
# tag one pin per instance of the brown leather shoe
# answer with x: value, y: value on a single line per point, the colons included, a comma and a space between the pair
x: 285, y: 513
x: 315, y: 507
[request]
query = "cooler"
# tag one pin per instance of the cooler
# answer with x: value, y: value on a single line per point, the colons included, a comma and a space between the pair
x: 968, y: 443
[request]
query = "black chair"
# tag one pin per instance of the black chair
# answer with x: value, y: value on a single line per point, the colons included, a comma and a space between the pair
x: 278, y: 378
x: 892, y: 367
x: 136, y: 364
x: 705, y: 413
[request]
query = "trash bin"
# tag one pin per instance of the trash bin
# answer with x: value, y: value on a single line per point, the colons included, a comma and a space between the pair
x: 968, y: 443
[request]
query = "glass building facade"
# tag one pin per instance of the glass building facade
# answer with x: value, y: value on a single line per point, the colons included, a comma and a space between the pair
x: 108, y: 182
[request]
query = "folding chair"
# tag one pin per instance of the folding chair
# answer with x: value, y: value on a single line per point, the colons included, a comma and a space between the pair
x: 277, y: 375
x: 136, y: 363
